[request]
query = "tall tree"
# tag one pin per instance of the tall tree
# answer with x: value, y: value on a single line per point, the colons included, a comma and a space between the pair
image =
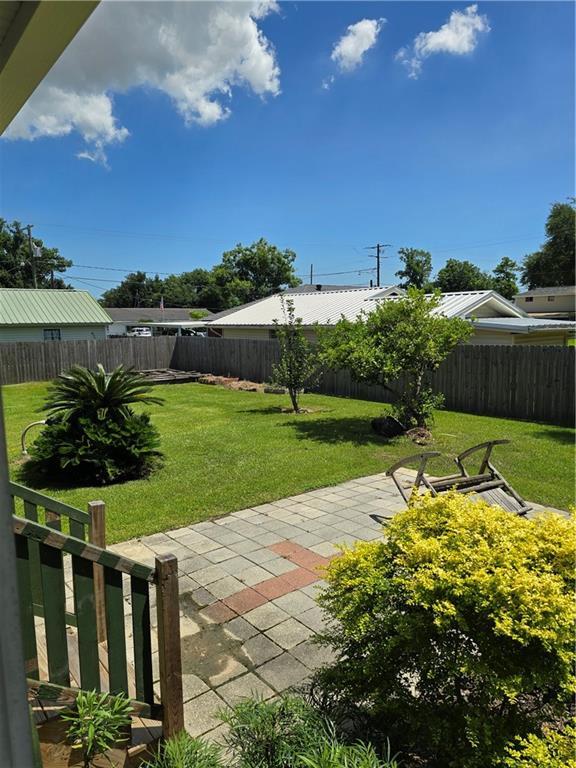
x: 136, y: 290
x: 458, y: 275
x: 504, y: 277
x: 18, y: 266
x: 263, y: 267
x: 417, y: 268
x: 553, y: 264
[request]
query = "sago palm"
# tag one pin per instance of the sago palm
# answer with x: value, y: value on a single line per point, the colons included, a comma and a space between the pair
x: 96, y: 394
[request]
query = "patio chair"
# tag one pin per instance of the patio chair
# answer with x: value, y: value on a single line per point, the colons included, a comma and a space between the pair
x: 487, y: 482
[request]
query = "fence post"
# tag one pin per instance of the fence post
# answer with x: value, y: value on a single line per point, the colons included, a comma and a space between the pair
x: 97, y: 536
x: 170, y: 654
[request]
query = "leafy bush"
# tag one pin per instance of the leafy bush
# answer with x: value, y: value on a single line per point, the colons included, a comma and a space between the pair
x: 184, y: 751
x: 456, y: 631
x: 272, y: 734
x: 92, y: 435
x: 97, y: 723
x: 555, y: 749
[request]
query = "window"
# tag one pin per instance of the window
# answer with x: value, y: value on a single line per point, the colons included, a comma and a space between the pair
x: 51, y: 334
x: 551, y: 298
x: 528, y: 298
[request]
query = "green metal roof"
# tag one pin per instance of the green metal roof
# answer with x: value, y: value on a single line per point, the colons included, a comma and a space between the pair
x: 45, y: 306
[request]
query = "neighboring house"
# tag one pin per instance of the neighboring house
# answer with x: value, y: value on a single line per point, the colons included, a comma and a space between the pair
x: 44, y: 314
x: 558, y: 302
x: 496, y: 320
x: 124, y: 319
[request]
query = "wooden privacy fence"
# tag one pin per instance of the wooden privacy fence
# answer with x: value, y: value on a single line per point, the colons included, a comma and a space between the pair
x: 61, y: 663
x: 522, y: 382
x: 42, y: 360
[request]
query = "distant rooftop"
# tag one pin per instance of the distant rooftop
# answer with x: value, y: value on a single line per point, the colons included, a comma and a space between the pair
x: 555, y: 290
x: 314, y: 287
x: 48, y: 306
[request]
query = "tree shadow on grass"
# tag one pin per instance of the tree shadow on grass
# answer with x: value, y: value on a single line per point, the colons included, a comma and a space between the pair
x: 565, y: 436
x: 356, y: 431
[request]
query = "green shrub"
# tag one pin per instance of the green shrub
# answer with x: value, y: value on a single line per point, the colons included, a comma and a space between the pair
x: 97, y: 723
x: 272, y: 734
x: 555, y: 749
x: 92, y: 435
x: 94, y: 453
x: 456, y: 631
x: 332, y: 754
x: 184, y: 751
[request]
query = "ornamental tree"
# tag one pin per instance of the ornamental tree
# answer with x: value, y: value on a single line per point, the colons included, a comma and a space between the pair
x: 406, y: 337
x: 299, y: 365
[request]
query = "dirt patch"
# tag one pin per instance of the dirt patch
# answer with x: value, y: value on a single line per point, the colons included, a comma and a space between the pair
x: 232, y: 382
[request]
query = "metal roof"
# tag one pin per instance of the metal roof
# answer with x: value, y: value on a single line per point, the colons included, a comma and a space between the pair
x: 327, y: 308
x: 46, y: 306
x: 324, y: 308
x: 524, y: 324
x: 553, y: 290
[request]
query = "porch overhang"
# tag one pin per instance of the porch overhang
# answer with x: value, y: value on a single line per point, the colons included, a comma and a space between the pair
x: 33, y: 35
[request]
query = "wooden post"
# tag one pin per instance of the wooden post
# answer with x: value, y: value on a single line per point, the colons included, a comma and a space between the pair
x: 97, y: 536
x: 170, y: 654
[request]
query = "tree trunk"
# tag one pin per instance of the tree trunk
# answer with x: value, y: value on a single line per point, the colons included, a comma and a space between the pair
x: 294, y: 397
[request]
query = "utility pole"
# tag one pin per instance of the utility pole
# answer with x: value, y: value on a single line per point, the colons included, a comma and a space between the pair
x: 311, y: 274
x: 31, y: 256
x: 379, y: 248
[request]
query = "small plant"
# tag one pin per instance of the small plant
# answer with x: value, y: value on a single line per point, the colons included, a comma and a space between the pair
x: 332, y: 754
x: 272, y: 734
x: 298, y: 366
x: 97, y: 722
x: 184, y: 751
x: 92, y: 435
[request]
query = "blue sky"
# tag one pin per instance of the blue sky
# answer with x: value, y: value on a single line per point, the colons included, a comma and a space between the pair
x: 318, y: 152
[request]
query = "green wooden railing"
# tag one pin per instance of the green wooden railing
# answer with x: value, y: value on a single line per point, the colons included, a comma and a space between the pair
x: 88, y: 526
x: 40, y: 550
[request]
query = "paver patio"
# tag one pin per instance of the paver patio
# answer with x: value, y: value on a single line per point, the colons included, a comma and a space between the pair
x: 247, y: 588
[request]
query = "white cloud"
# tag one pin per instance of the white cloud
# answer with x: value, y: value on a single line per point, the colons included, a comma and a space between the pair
x: 196, y: 53
x: 349, y: 51
x: 458, y: 36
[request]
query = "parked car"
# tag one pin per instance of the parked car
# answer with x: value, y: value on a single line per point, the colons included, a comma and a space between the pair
x: 141, y: 331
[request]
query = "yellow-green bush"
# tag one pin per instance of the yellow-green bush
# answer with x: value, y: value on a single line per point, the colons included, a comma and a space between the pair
x: 455, y: 632
x: 555, y: 749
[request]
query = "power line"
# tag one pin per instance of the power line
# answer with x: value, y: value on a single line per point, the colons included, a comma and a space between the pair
x: 379, y: 248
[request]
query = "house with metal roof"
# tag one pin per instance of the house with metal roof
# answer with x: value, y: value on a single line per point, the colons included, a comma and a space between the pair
x: 45, y: 314
x: 496, y: 320
x: 556, y: 302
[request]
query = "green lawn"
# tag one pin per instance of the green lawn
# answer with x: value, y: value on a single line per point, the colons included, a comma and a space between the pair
x: 228, y: 450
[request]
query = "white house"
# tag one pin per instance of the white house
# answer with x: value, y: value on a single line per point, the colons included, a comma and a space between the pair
x: 496, y: 320
x: 45, y: 314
